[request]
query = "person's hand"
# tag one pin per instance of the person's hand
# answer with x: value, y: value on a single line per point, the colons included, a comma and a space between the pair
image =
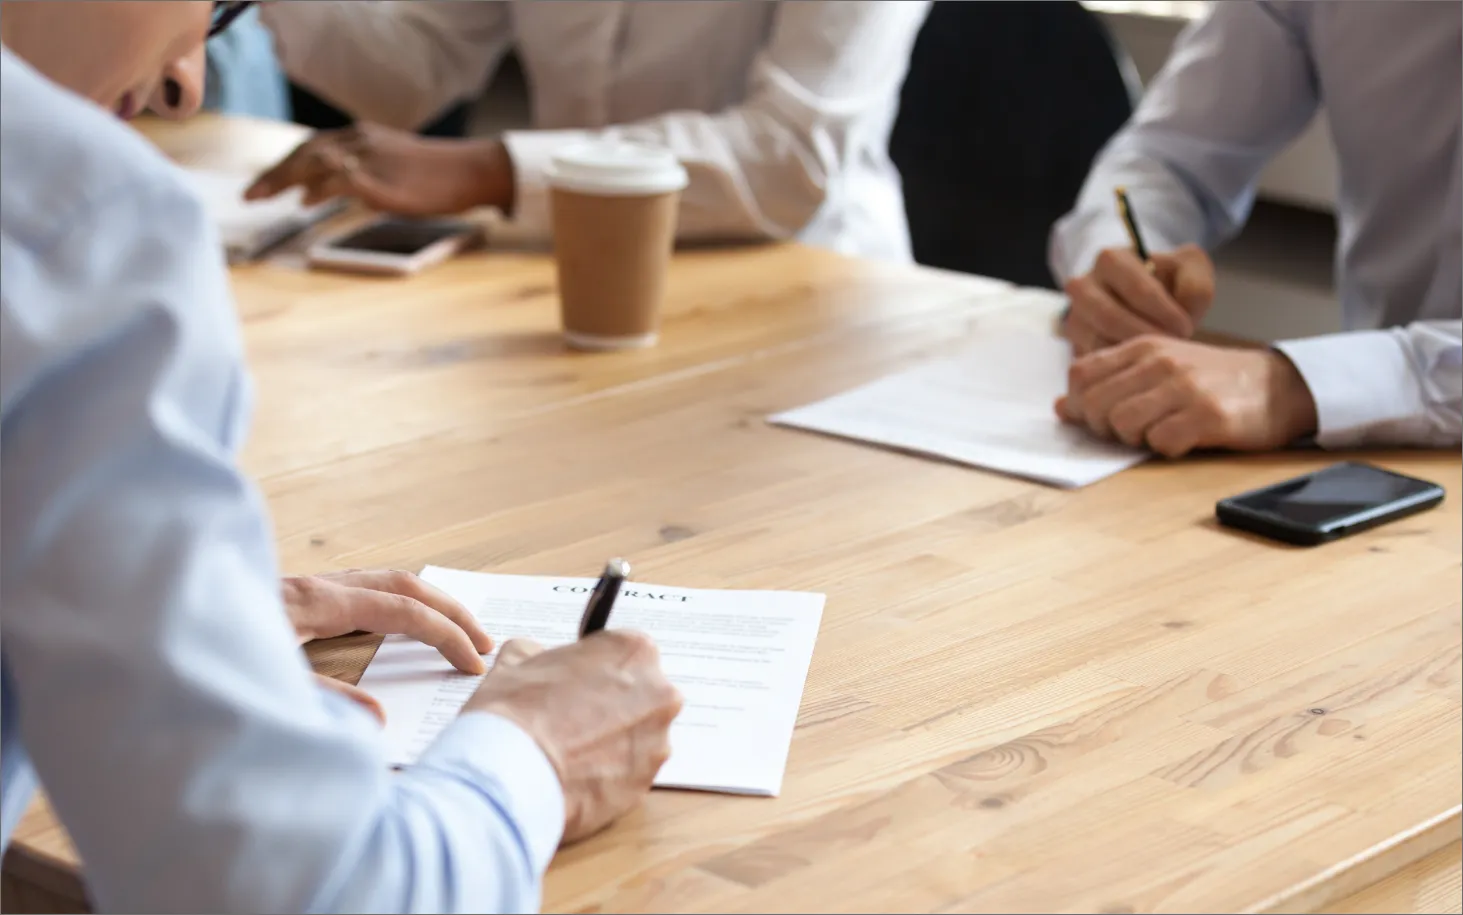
x: 1177, y: 395
x: 601, y: 710
x: 394, y: 171
x: 354, y: 693
x: 1121, y: 299
x: 338, y: 603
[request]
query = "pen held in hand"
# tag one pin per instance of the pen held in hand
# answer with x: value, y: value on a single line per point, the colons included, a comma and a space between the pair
x: 602, y: 600
x: 1130, y: 222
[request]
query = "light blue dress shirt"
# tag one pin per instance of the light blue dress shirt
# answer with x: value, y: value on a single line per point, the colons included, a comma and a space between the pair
x: 244, y: 76
x: 149, y: 674
x: 1240, y: 85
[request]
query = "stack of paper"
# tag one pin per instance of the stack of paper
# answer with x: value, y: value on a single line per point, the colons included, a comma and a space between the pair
x: 250, y: 228
x: 739, y: 658
x: 991, y: 406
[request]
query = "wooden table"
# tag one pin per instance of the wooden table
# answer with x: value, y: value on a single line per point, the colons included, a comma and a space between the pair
x: 1022, y: 699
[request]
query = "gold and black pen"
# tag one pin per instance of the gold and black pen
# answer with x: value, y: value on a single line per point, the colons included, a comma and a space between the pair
x: 1130, y: 222
x: 602, y: 600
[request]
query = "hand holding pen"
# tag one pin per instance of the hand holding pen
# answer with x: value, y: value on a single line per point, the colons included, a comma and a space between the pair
x: 602, y: 599
x: 599, y: 708
x: 1133, y: 290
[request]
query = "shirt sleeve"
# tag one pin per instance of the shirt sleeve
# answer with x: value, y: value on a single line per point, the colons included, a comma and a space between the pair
x: 1237, y: 88
x: 762, y: 169
x: 168, y: 711
x: 1398, y: 386
x: 396, y: 62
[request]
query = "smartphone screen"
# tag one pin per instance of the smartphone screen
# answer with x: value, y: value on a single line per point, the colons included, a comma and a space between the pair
x: 1332, y: 495
x: 404, y: 237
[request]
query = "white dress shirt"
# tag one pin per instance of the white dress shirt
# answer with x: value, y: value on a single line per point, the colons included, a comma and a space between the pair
x: 148, y: 673
x: 1240, y: 85
x: 781, y: 111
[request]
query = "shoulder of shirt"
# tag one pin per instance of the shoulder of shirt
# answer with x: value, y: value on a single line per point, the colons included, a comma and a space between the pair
x: 63, y: 157
x: 87, y: 206
x: 1294, y: 16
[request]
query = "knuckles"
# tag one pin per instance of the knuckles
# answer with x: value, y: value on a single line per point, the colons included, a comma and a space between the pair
x: 1167, y: 362
x: 404, y: 583
x: 638, y: 646
x: 1108, y: 260
x: 1149, y: 346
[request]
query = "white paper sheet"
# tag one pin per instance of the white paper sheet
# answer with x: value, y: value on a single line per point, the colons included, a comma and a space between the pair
x: 990, y: 406
x: 740, y: 659
x: 250, y: 227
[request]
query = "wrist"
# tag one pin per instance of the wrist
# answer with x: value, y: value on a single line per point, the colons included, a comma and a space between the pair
x: 492, y: 174
x: 1292, y: 406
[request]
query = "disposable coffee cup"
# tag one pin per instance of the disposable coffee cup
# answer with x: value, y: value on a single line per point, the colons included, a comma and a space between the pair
x: 613, y: 205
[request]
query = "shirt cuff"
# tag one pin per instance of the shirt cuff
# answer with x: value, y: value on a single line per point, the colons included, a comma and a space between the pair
x: 532, y: 151
x: 1362, y: 382
x: 494, y: 751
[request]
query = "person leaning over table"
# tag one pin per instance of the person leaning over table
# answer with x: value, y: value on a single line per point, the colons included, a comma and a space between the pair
x: 781, y: 111
x: 149, y: 672
x: 1239, y: 86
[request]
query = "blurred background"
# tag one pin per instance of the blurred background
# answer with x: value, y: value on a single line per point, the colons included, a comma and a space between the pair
x: 1005, y: 104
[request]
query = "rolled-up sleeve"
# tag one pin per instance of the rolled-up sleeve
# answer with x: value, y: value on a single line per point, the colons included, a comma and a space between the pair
x: 172, y: 719
x: 762, y: 169
x: 1236, y: 89
x: 1398, y: 386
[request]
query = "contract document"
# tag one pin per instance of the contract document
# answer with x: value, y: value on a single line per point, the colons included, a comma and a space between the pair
x: 991, y: 406
x: 739, y: 658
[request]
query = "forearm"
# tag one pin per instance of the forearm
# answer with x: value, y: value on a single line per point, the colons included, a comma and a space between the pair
x: 398, y: 64
x: 1399, y: 386
x: 1237, y: 88
x: 192, y: 759
x: 470, y: 828
x: 751, y: 177
x: 1169, y: 212
x: 819, y: 95
x: 157, y: 683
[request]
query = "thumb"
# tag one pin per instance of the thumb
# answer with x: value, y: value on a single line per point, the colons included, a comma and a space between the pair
x: 353, y: 693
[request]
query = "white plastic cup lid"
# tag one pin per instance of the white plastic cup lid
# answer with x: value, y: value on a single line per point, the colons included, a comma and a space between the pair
x: 616, y: 168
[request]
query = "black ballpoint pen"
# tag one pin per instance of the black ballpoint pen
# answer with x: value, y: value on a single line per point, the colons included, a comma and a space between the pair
x: 602, y: 600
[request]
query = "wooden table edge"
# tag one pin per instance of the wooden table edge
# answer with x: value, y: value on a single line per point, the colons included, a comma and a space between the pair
x: 59, y: 882
x: 1366, y: 868
x: 64, y: 890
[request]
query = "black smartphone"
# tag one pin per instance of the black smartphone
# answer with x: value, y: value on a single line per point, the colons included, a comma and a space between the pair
x: 403, y: 237
x: 1329, y: 504
x: 395, y: 246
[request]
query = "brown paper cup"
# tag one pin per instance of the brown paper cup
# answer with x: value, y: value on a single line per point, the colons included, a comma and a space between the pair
x: 613, y: 205
x: 612, y: 255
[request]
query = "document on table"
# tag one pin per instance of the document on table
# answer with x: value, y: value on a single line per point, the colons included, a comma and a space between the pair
x: 739, y: 658
x: 249, y: 228
x: 990, y: 406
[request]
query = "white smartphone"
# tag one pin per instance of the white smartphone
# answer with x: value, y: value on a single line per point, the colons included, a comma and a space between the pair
x: 395, y: 246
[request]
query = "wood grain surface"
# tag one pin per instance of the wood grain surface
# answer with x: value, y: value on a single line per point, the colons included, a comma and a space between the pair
x: 1432, y: 886
x: 1022, y: 699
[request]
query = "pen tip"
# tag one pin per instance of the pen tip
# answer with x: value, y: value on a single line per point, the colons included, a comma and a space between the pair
x: 618, y: 568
